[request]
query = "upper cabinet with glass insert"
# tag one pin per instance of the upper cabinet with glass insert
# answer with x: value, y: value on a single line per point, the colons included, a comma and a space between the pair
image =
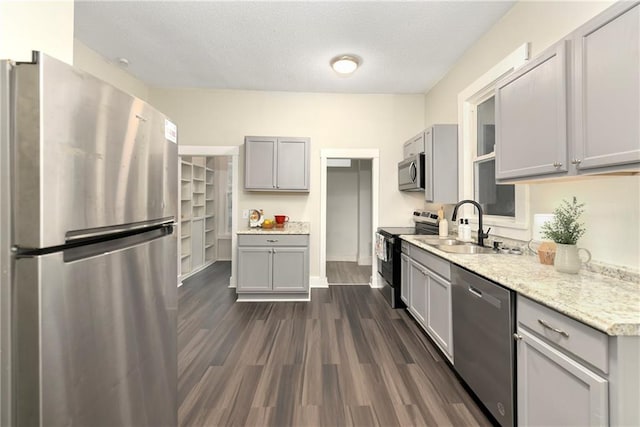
x: 575, y: 109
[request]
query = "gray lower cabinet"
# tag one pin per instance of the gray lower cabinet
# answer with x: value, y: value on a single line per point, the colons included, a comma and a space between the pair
x: 573, y: 110
x: 277, y: 164
x: 418, y: 291
x: 556, y: 390
x: 562, y: 368
x: 405, y: 296
x: 273, y: 264
x: 426, y: 282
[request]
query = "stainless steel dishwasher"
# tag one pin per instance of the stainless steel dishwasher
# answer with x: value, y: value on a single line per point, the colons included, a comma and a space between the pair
x: 483, y: 327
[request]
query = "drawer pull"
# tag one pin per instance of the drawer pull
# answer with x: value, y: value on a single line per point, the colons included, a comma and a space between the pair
x: 272, y: 240
x: 548, y: 326
x: 517, y: 337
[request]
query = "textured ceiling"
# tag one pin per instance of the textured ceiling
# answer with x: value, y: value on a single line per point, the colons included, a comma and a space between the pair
x: 406, y: 47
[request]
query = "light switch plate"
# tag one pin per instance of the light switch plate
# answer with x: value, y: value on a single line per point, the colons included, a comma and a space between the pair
x: 245, y: 213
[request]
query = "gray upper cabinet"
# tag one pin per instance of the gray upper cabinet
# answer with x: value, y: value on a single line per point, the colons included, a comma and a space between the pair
x: 574, y: 109
x: 276, y: 164
x: 607, y: 89
x: 441, y: 164
x: 531, y: 117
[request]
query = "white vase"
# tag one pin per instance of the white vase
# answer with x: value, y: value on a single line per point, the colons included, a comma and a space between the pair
x: 568, y: 258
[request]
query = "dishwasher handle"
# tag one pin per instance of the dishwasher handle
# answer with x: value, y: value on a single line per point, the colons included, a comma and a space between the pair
x: 475, y: 291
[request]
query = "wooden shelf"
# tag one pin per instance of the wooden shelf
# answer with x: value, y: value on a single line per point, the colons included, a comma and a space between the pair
x: 185, y: 256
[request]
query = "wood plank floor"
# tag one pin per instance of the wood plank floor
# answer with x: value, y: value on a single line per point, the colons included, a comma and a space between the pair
x: 348, y: 272
x: 345, y: 358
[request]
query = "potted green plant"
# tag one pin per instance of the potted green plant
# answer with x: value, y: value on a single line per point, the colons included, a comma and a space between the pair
x: 565, y: 229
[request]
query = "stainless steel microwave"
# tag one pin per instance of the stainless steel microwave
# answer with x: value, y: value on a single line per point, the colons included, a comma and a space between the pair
x: 411, y: 173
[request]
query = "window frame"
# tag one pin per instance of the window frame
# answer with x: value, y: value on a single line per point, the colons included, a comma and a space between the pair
x: 477, y: 92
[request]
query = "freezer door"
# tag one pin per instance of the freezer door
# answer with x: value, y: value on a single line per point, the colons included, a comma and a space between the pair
x: 86, y: 155
x: 95, y: 340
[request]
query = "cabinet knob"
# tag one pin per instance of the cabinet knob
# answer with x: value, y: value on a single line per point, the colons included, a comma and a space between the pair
x: 557, y: 165
x: 517, y: 337
x: 576, y: 161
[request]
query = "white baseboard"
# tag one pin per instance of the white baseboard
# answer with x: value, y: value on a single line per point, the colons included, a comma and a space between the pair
x: 232, y: 282
x: 376, y: 282
x: 364, y: 260
x: 317, y: 282
x: 342, y: 258
x: 180, y: 283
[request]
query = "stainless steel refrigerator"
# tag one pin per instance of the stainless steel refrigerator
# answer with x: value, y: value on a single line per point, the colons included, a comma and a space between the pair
x: 93, y: 265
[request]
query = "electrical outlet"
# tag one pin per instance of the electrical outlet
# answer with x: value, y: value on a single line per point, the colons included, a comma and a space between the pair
x: 245, y: 214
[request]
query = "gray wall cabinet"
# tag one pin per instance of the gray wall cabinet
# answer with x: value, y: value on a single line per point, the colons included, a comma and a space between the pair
x: 277, y: 164
x: 531, y: 117
x: 427, y: 286
x: 272, y: 263
x: 574, y: 109
x: 441, y: 164
x: 607, y: 88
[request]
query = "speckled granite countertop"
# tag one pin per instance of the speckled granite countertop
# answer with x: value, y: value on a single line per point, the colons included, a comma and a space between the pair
x: 289, y: 228
x: 605, y: 303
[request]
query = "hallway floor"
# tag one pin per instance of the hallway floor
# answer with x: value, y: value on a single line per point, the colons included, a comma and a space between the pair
x: 345, y: 358
x: 344, y: 272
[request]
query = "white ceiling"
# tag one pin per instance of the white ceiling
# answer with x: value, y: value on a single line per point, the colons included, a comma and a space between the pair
x: 406, y: 47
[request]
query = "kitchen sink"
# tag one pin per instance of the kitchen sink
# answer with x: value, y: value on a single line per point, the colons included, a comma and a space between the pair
x: 465, y: 248
x: 436, y: 241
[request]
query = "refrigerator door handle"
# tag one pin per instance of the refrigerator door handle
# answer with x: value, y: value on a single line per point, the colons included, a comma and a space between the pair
x: 95, y: 233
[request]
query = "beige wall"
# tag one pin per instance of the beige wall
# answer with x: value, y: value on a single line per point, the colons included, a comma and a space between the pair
x: 46, y: 26
x: 612, y: 203
x: 93, y: 63
x: 218, y: 117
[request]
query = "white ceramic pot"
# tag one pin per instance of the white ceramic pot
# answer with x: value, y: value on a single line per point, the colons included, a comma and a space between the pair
x: 568, y: 258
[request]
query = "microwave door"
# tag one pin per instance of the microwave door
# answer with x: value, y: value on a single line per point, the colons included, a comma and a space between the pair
x: 407, y: 175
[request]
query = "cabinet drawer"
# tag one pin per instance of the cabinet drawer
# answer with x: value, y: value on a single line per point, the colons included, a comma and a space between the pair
x: 405, y: 247
x: 273, y: 240
x: 432, y: 262
x: 574, y: 337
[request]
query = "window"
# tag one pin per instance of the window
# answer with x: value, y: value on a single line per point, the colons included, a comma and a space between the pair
x: 495, y: 199
x: 505, y: 206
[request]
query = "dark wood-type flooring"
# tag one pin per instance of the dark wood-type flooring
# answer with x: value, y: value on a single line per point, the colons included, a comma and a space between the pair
x: 345, y: 358
x: 348, y: 272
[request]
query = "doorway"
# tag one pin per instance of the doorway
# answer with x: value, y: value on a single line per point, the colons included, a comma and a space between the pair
x: 207, y: 208
x: 349, y: 221
x: 348, y: 216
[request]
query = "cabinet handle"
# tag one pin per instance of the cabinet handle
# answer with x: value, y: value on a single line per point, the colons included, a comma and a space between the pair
x: 273, y: 251
x: 517, y: 337
x: 475, y: 291
x: 576, y: 161
x: 272, y: 240
x: 557, y: 165
x: 548, y: 326
x: 141, y: 118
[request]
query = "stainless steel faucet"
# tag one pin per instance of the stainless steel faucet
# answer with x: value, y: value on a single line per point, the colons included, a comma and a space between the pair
x: 481, y: 234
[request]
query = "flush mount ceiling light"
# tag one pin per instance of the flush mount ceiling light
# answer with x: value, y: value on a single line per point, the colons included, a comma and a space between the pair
x: 345, y: 64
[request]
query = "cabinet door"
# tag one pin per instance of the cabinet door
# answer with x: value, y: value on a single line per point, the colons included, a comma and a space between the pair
x: 292, y: 164
x: 439, y: 312
x: 290, y: 269
x: 254, y: 269
x: 607, y: 90
x: 531, y: 118
x: 418, y: 289
x: 428, y: 165
x: 555, y: 390
x: 260, y: 163
x: 405, y: 280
